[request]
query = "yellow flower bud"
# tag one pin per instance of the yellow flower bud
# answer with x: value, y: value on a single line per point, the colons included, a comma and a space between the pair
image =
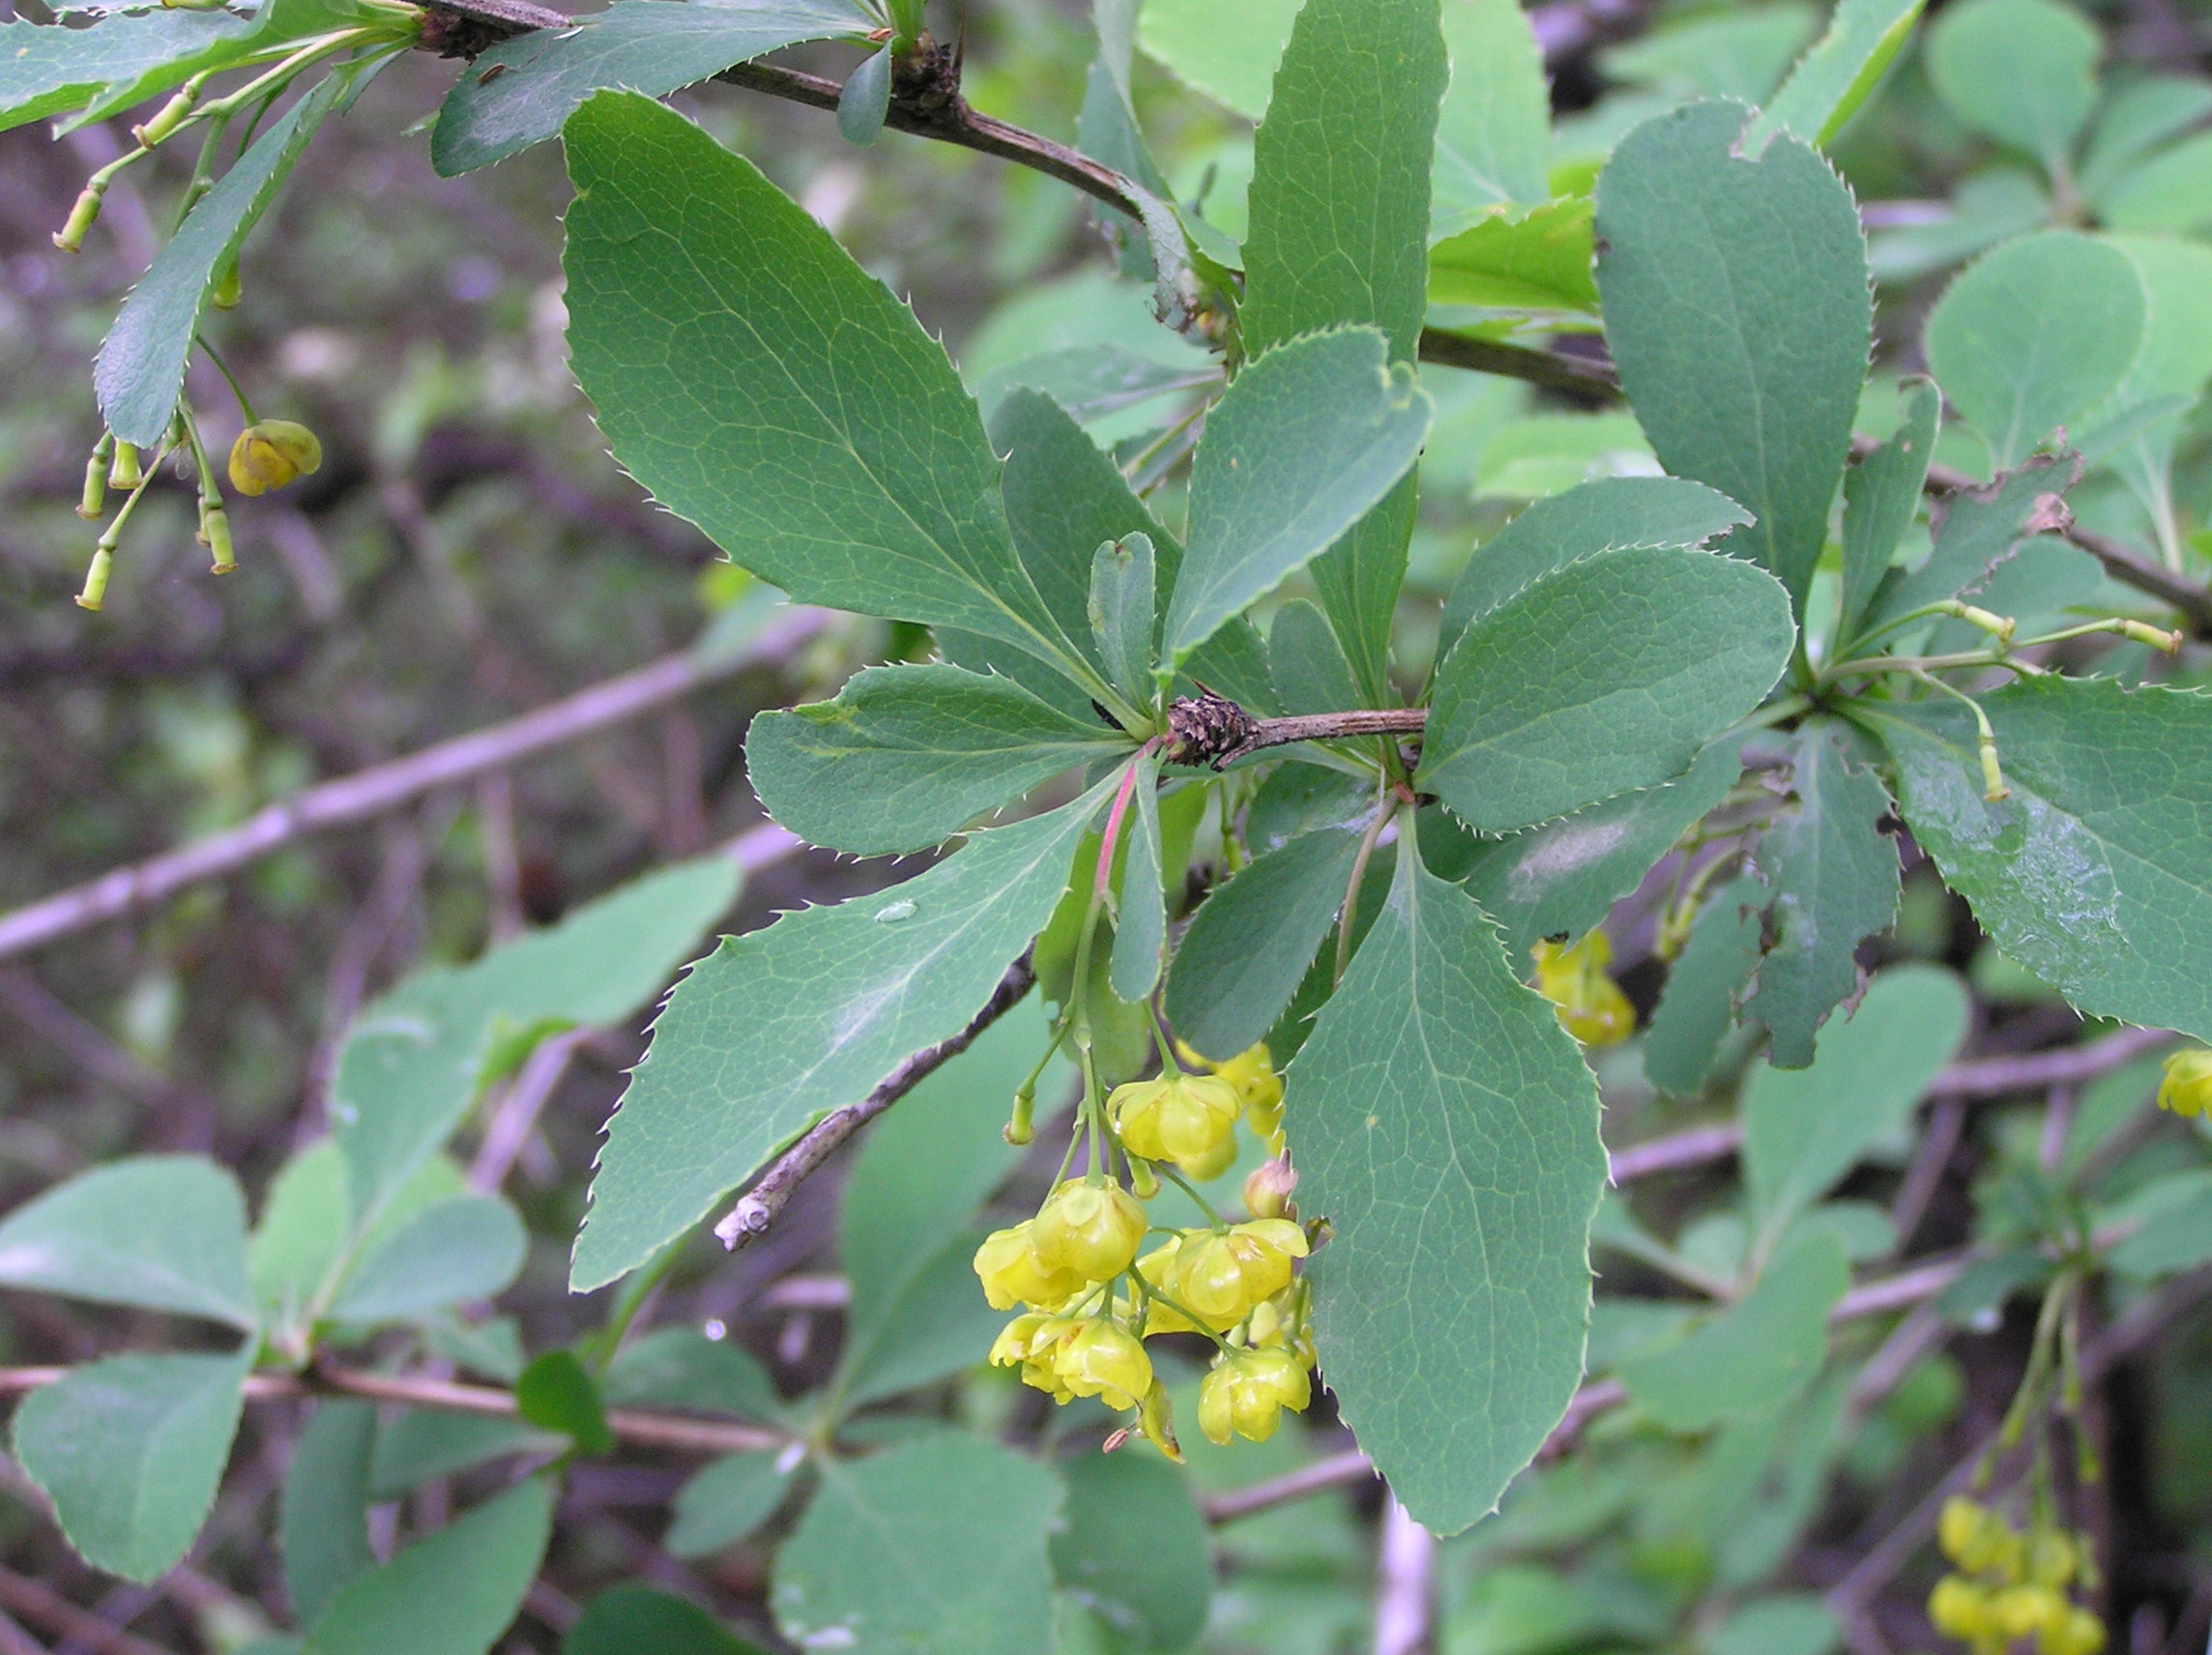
x: 1960, y: 1608
x: 1958, y: 1526
x: 2024, y: 1611
x: 214, y: 525
x: 1205, y: 1169
x: 1093, y: 1230
x: 1012, y: 1274
x: 1105, y: 1360
x: 1268, y: 1190
x: 272, y: 453
x: 1222, y: 1275
x: 1176, y: 1117
x: 1156, y: 1419
x: 2081, y: 1634
x: 1590, y: 1005
x: 1258, y: 1089
x: 125, y: 473
x: 2187, y: 1086
x: 1246, y: 1393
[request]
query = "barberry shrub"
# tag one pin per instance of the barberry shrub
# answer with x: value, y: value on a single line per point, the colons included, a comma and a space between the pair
x: 1269, y: 899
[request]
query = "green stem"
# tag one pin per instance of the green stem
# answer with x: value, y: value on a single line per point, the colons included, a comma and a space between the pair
x: 1151, y: 1293
x: 244, y: 405
x: 1348, y: 917
x: 1174, y: 1175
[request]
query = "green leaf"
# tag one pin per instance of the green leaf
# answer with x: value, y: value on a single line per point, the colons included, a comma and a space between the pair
x: 633, y: 1619
x: 421, y: 1444
x: 907, y: 756
x: 1978, y: 530
x: 1308, y: 439
x: 1756, y: 1356
x: 469, y: 1247
x: 1306, y: 664
x: 725, y: 1500
x: 141, y: 366
x: 1249, y: 946
x: 681, y: 1367
x: 866, y: 99
x: 1537, y: 259
x: 1792, y: 1623
x: 1135, y: 1551
x: 49, y: 68
x: 1447, y: 1129
x: 1754, y: 396
x: 520, y: 91
x: 905, y: 1225
x: 2033, y: 335
x: 1803, y: 1129
x: 131, y: 1450
x: 937, y: 1548
x: 323, y: 1518
x: 303, y: 1229
x: 1339, y: 215
x: 557, y: 1392
x: 1698, y: 1008
x: 2173, y: 1225
x: 2136, y: 121
x: 1494, y: 129
x: 1606, y: 515
x: 774, y: 1029
x: 2171, y: 191
x: 452, y: 1593
x: 1063, y: 496
x: 1123, y: 622
x: 1088, y: 383
x: 1841, y: 72
x: 1881, y: 497
x: 1834, y: 876
x: 414, y: 1061
x: 1562, y: 875
x: 1738, y: 52
x: 1225, y: 48
x: 2096, y: 874
x: 1604, y: 676
x: 762, y: 385
x: 2024, y: 72
x: 162, y: 1231
x: 1990, y: 207
x: 1141, y: 918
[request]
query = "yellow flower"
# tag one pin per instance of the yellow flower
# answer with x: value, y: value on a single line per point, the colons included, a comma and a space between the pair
x: 1978, y: 1539
x: 2052, y: 1558
x: 1033, y: 1343
x: 1960, y: 1608
x: 1093, y: 1230
x: 1258, y: 1089
x: 1245, y: 1394
x: 272, y: 453
x: 1176, y: 1117
x: 2024, y: 1611
x: 2187, y: 1087
x: 1205, y: 1169
x: 1590, y: 1005
x: 1222, y: 1275
x: 2081, y: 1634
x: 1105, y: 1360
x: 1012, y: 1274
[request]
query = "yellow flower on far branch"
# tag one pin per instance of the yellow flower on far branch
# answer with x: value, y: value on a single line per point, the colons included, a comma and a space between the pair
x: 2187, y: 1086
x: 271, y: 453
x: 1258, y: 1089
x: 1245, y: 1394
x: 1590, y: 1005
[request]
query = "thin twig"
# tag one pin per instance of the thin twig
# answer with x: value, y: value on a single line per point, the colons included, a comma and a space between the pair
x: 1694, y: 1147
x: 1332, y: 1471
x: 648, y: 1428
x: 2038, y: 1072
x: 757, y: 1208
x: 381, y: 789
x: 1925, y: 1176
x: 36, y: 1601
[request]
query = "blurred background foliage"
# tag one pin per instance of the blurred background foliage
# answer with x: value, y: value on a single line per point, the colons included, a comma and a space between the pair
x: 469, y: 551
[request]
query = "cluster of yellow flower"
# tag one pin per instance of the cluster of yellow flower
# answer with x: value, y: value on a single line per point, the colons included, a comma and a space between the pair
x: 2009, y: 1585
x: 1591, y: 1006
x: 2185, y: 1088
x: 1235, y: 1282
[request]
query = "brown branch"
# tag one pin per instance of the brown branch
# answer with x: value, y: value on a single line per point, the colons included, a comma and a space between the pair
x: 1211, y: 730
x: 757, y: 1208
x: 1695, y: 1146
x: 1585, y: 376
x: 2068, y: 1065
x: 38, y: 1602
x: 384, y: 787
x: 1328, y: 1472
